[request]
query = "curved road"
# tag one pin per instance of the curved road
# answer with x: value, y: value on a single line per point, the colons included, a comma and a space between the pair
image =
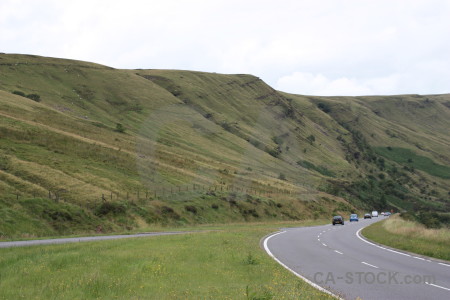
x: 84, y: 239
x: 339, y: 261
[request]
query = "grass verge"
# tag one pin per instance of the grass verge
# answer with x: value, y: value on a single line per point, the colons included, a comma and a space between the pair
x: 410, y: 236
x: 226, y: 264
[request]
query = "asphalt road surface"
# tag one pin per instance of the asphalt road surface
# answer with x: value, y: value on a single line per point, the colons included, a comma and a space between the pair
x: 339, y: 261
x: 83, y: 239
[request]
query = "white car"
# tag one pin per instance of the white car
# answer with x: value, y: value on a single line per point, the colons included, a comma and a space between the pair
x: 374, y: 214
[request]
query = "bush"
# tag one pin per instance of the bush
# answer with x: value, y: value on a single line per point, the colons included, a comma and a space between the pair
x: 113, y: 208
x: 282, y: 176
x: 324, y: 107
x: 191, y: 209
x: 19, y: 93
x: 34, y: 97
x: 275, y: 152
x: 119, y: 128
x: 311, y: 139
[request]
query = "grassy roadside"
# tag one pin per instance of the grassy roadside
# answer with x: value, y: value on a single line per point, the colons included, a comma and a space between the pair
x: 226, y: 264
x: 410, y: 236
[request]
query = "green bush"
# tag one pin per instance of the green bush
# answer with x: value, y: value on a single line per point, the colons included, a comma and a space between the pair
x: 120, y: 128
x: 19, y: 93
x: 34, y: 97
x: 113, y: 208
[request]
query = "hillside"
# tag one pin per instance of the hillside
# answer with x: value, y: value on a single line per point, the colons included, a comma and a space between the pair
x: 86, y: 148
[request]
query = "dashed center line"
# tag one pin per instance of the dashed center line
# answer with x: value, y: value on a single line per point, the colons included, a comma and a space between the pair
x: 338, y: 252
x: 324, y: 244
x: 363, y: 262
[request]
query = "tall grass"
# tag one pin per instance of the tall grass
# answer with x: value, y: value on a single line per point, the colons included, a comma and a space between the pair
x: 411, y: 236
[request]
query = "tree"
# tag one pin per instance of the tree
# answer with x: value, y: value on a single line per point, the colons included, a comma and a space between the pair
x: 120, y: 128
x: 311, y: 139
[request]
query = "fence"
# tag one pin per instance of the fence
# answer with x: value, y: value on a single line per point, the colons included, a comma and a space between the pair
x: 163, y: 193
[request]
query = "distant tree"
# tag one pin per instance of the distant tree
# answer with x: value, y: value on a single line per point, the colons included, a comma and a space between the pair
x: 324, y: 107
x: 120, y: 128
x: 311, y: 139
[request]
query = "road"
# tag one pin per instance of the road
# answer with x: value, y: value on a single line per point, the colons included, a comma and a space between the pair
x: 84, y: 239
x: 339, y: 261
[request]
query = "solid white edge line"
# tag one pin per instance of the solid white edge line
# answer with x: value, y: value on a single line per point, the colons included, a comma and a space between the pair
x: 387, y: 249
x: 292, y: 271
x: 358, y: 234
x: 338, y: 252
x: 438, y: 286
x: 418, y: 258
x: 363, y: 262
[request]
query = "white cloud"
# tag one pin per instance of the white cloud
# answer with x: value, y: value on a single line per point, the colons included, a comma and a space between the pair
x: 311, y: 84
x: 360, y: 46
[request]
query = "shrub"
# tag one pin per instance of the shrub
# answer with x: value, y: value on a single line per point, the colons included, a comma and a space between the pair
x: 113, y: 208
x: 324, y: 107
x: 120, y: 128
x: 19, y: 93
x: 311, y: 139
x: 282, y: 176
x: 34, y: 97
x: 191, y: 209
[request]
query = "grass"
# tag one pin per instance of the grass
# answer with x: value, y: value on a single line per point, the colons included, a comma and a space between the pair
x: 410, y: 236
x: 183, y: 128
x: 322, y: 170
x: 408, y: 158
x: 226, y: 264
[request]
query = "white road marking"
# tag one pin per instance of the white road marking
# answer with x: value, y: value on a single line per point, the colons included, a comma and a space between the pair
x: 292, y: 271
x: 338, y: 252
x: 324, y: 244
x: 438, y: 286
x: 401, y: 253
x: 387, y: 249
x: 363, y: 262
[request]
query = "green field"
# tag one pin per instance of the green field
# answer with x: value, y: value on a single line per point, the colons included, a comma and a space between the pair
x: 223, y: 264
x: 410, y: 236
x: 407, y: 157
x: 125, y: 150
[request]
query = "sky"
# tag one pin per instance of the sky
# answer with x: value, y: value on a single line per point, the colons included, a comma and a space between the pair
x: 317, y: 47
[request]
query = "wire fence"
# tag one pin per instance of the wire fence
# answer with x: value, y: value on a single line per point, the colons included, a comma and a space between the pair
x: 161, y: 193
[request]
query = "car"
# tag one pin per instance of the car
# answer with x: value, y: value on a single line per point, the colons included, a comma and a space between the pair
x: 375, y: 213
x: 382, y: 213
x: 354, y: 217
x: 387, y: 214
x: 338, y: 220
x: 367, y: 216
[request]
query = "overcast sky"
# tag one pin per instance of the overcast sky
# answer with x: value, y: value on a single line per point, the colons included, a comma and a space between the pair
x: 317, y: 47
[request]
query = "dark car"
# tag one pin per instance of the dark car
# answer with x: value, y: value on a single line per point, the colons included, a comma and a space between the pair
x: 367, y: 216
x: 338, y: 220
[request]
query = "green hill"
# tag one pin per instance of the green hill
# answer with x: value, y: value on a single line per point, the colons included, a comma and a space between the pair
x: 85, y: 148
